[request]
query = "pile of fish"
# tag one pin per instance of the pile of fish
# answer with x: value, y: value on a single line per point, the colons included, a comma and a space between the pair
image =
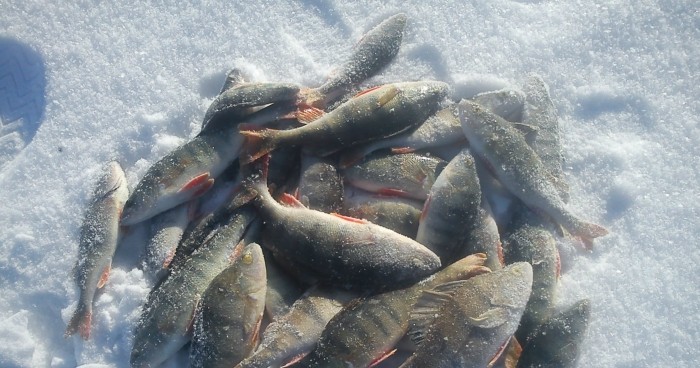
x: 342, y: 227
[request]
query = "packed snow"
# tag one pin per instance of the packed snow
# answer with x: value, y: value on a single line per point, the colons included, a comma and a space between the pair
x: 131, y: 81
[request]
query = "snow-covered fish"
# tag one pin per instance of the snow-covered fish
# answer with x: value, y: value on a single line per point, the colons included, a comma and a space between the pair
x: 234, y: 103
x: 320, y: 184
x: 407, y: 175
x: 557, y: 342
x: 166, y: 317
x: 233, y: 78
x: 166, y: 232
x: 394, y: 213
x: 282, y: 289
x: 367, y: 329
x: 519, y: 168
x: 466, y: 323
x: 439, y: 130
x: 506, y: 103
x: 377, y: 113
x: 540, y: 113
x: 452, y: 208
x: 98, y: 241
x: 295, y: 334
x: 227, y: 324
x: 377, y: 48
x: 529, y: 241
x: 189, y: 171
x: 343, y: 250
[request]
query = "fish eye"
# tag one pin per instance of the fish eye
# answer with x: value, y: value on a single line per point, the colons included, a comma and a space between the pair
x: 247, y: 258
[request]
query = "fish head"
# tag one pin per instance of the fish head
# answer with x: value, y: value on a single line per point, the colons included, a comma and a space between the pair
x: 424, y: 94
x: 253, y: 275
x: 112, y: 183
x: 143, y: 202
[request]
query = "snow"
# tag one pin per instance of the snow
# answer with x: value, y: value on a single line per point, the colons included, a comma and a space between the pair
x: 131, y: 81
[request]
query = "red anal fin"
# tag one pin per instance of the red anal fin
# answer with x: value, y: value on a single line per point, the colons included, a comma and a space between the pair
x: 294, y: 360
x: 198, y: 185
x: 501, y: 257
x: 381, y: 358
x: 256, y: 331
x: 104, y: 277
x: 500, y: 351
x: 237, y: 250
x: 392, y: 192
x: 291, y: 201
x: 402, y: 150
x: 424, y: 211
x: 169, y: 258
x: 195, y: 308
x: 308, y: 114
x: 512, y: 354
x: 368, y: 90
x: 348, y: 218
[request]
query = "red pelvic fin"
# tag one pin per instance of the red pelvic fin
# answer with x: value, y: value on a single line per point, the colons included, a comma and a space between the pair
x: 500, y: 351
x: 195, y: 309
x: 290, y: 201
x: 368, y: 90
x: 424, y: 211
x: 104, y: 277
x: 381, y: 358
x: 501, y: 257
x: 198, y: 185
x: 169, y: 258
x: 308, y: 114
x: 392, y: 192
x: 348, y: 218
x: 512, y: 354
x: 402, y: 150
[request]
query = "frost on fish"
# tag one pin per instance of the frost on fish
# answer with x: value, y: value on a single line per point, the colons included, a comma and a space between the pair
x: 520, y: 169
x: 228, y: 318
x: 539, y: 112
x: 368, y: 328
x: 558, y: 340
x: 409, y: 175
x: 99, y: 233
x: 375, y: 50
x: 464, y: 323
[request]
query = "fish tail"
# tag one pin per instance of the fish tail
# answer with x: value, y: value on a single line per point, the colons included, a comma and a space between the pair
x: 255, y: 187
x: 587, y: 231
x: 80, y: 322
x: 257, y: 144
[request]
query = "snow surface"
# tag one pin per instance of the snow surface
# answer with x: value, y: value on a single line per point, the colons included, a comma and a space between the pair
x: 131, y: 81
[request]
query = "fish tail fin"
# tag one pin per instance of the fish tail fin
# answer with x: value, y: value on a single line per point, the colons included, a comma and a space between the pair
x: 257, y: 144
x: 80, y: 322
x: 587, y: 231
x: 255, y: 186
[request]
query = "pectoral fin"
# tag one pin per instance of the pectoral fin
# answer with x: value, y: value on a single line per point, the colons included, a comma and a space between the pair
x: 491, y: 318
